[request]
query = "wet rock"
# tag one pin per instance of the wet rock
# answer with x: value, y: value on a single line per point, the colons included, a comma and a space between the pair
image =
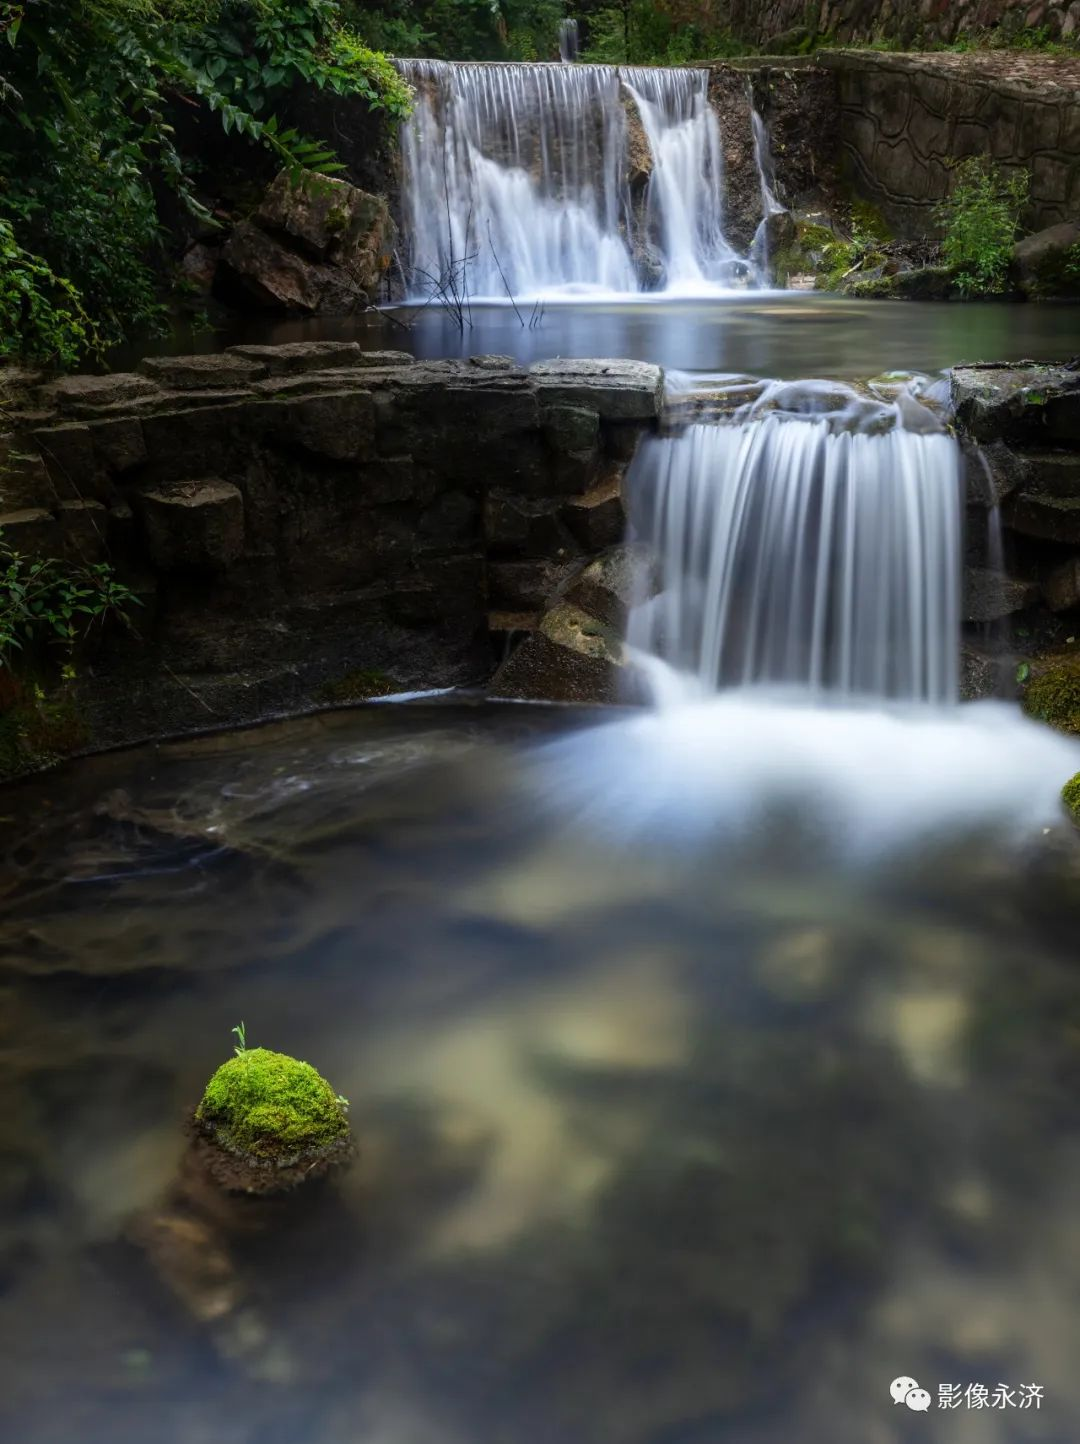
x: 85, y: 395
x: 1025, y: 403
x: 270, y: 276
x: 525, y: 586
x: 199, y: 373
x: 198, y: 268
x: 1061, y: 586
x: 616, y: 390
x: 33, y: 532
x: 296, y: 357
x: 1052, y: 693
x: 989, y: 595
x: 84, y: 527
x: 1050, y: 518
x: 315, y: 245
x: 1046, y: 264
x: 569, y: 658
x: 331, y: 220
x: 614, y: 582
x: 193, y: 524
x: 598, y: 519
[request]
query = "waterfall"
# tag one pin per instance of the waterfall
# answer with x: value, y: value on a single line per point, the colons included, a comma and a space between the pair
x: 519, y: 176
x: 798, y: 551
x: 686, y: 197
x: 569, y: 41
x: 766, y: 169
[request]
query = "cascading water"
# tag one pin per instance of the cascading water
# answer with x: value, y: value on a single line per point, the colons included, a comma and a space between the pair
x: 686, y: 200
x: 770, y: 205
x: 569, y: 41
x: 797, y: 550
x: 518, y: 176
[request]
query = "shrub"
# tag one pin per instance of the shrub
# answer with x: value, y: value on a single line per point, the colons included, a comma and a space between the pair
x: 979, y: 220
x: 47, y: 601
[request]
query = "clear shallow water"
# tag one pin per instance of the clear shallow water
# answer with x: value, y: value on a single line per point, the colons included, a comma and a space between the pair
x: 780, y: 333
x: 677, y: 1126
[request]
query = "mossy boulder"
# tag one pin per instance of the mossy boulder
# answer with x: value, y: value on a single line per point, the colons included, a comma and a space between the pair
x: 1053, y: 693
x: 273, y: 1114
x: 1070, y: 797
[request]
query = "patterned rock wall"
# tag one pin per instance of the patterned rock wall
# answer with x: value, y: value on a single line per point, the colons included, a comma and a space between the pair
x: 913, y: 22
x: 904, y: 118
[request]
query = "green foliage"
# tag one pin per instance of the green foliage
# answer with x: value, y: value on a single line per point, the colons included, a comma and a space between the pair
x: 271, y: 1106
x: 42, y: 315
x: 87, y: 148
x: 979, y: 220
x: 640, y: 32
x: 241, y: 1039
x: 841, y: 258
x: 48, y: 601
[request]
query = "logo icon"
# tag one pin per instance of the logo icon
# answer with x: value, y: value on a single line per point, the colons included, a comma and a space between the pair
x: 905, y: 1390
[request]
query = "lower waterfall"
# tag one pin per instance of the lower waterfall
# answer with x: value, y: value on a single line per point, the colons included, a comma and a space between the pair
x: 798, y: 551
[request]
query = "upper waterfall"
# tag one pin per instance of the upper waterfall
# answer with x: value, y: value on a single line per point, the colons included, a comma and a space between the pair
x: 518, y: 177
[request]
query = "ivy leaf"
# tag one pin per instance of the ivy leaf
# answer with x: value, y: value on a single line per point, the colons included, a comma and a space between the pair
x: 1023, y: 672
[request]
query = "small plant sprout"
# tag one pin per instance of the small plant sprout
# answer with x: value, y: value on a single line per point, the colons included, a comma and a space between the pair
x: 241, y: 1040
x: 343, y: 1101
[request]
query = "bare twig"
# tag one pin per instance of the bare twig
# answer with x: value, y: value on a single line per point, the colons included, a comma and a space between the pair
x: 502, y: 274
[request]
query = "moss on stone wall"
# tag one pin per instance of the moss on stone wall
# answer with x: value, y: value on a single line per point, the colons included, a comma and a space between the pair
x: 1053, y: 694
x: 358, y: 686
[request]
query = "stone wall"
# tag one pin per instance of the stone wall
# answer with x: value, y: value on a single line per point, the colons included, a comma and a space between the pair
x: 1020, y: 428
x: 904, y: 118
x: 305, y: 523
x: 912, y: 22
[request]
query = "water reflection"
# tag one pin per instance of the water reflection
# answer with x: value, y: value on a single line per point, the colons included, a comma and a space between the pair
x: 656, y: 1147
x: 779, y: 333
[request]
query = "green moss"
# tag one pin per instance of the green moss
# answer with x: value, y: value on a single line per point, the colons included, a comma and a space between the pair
x: 358, y: 686
x: 1053, y: 694
x: 1070, y: 796
x: 271, y: 1106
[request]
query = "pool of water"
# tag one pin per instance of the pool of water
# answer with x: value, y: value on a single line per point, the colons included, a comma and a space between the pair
x: 709, y: 1072
x: 780, y: 333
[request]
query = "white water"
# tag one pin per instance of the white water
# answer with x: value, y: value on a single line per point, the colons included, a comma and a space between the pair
x: 770, y: 205
x: 516, y: 177
x: 685, y: 205
x: 569, y: 41
x: 796, y: 550
x: 862, y: 780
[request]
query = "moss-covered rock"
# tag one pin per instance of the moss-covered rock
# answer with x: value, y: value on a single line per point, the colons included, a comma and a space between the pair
x: 1070, y: 796
x: 273, y: 1109
x: 358, y: 686
x: 1053, y: 693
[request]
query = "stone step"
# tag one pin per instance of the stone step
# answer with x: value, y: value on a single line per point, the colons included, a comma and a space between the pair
x: 1045, y: 516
